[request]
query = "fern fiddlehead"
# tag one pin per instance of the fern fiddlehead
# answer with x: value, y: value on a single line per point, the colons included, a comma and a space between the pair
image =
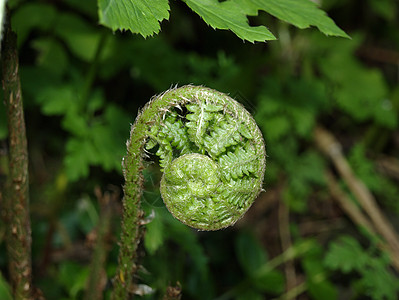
x: 213, y: 158
x: 211, y: 152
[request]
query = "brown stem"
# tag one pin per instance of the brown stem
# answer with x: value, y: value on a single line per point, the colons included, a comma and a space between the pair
x: 331, y: 147
x: 347, y: 205
x: 16, y: 198
x: 98, y: 278
x: 286, y: 243
x: 389, y: 166
x: 356, y: 215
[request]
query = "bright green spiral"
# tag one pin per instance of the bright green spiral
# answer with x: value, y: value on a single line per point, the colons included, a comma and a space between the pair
x: 212, y: 154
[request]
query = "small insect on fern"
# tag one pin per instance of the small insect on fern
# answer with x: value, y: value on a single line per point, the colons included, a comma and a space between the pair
x: 211, y: 152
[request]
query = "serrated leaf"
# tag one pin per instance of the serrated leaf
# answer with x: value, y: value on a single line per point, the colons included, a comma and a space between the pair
x: 378, y: 282
x: 79, y: 155
x: 58, y: 100
x: 300, y: 13
x: 138, y: 16
x: 346, y: 254
x: 76, y: 124
x: 229, y: 15
x: 232, y: 15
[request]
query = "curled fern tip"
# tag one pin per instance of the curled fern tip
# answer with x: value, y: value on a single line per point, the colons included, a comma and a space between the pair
x: 211, y: 152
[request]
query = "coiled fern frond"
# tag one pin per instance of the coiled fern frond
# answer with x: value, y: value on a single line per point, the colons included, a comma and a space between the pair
x: 212, y: 155
x: 213, y: 158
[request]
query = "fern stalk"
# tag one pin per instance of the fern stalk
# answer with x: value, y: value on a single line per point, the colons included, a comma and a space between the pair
x: 213, y: 157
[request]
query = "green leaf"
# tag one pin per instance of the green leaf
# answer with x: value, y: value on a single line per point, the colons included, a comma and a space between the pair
x: 5, y: 291
x: 73, y: 277
x: 76, y: 124
x: 322, y: 290
x: 154, y: 236
x: 346, y: 255
x: 52, y: 55
x: 275, y: 127
x: 378, y: 282
x: 384, y: 8
x: 58, y: 100
x: 250, y: 253
x: 230, y: 15
x: 319, y: 286
x: 376, y: 279
x: 79, y: 35
x: 361, y: 92
x: 300, y: 13
x: 32, y: 16
x: 107, y: 145
x: 79, y: 154
x: 271, y: 281
x: 138, y: 16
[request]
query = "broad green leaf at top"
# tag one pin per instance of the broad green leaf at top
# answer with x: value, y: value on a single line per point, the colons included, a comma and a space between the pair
x: 300, y: 13
x: 138, y: 16
x: 231, y: 15
x: 143, y: 16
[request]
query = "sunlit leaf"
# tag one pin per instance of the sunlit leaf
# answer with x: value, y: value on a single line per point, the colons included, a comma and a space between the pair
x: 138, y: 16
x: 230, y: 15
x: 300, y: 13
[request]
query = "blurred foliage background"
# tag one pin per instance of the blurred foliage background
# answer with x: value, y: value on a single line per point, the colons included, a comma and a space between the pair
x: 83, y: 86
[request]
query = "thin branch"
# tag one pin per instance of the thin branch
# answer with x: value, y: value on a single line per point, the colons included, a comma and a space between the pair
x: 357, y: 215
x: 331, y: 147
x: 286, y: 243
x: 347, y: 205
x: 389, y: 166
x: 98, y: 278
x: 16, y: 198
x: 294, y: 292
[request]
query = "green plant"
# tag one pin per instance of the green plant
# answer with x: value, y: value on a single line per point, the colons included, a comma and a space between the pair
x: 213, y: 158
x: 376, y: 280
x: 139, y: 17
